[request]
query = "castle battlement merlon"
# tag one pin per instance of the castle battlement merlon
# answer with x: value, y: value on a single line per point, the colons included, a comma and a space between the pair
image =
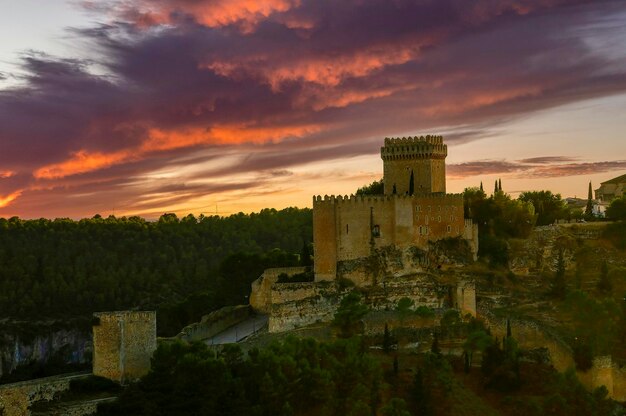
x: 428, y: 147
x: 347, y: 199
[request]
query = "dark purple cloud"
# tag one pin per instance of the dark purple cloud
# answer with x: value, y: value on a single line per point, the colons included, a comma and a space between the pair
x: 539, y: 167
x: 240, y: 87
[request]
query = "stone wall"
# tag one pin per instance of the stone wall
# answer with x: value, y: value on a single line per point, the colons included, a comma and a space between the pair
x: 214, y: 323
x: 16, y: 398
x: 79, y: 408
x: 349, y: 228
x: 123, y: 344
x: 260, y: 297
x: 300, y: 304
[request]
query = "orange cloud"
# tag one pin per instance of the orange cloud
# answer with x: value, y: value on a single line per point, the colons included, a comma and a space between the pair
x: 6, y: 200
x: 4, y: 174
x: 82, y: 162
x: 160, y: 140
x: 328, y: 71
x: 215, y: 13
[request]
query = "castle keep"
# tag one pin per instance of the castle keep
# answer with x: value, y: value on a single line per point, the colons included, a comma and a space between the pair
x: 391, y: 245
x: 413, y: 211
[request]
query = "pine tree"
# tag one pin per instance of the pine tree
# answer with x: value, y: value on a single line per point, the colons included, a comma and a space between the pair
x: 589, y: 207
x: 558, y: 285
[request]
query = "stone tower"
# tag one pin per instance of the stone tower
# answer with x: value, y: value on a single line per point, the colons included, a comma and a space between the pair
x: 421, y: 160
x: 123, y: 344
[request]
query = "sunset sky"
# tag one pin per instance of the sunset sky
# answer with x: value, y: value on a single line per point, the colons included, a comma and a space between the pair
x: 190, y: 106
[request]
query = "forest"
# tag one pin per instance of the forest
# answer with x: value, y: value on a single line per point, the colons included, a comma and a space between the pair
x: 183, y: 268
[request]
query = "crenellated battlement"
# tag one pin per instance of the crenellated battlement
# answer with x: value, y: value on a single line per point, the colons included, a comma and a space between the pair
x: 348, y: 199
x: 422, y: 147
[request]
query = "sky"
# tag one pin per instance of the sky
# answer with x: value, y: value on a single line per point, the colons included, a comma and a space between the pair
x: 221, y: 106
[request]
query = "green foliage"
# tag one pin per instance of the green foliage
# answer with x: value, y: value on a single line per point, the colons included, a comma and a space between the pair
x: 451, y: 318
x: 183, y: 268
x: 374, y: 188
x: 424, y: 311
x: 559, y: 287
x: 405, y: 308
x: 548, y: 206
x: 295, y: 377
x: 595, y: 322
x: 395, y: 407
x: 617, y: 210
x: 616, y: 234
x: 349, y: 314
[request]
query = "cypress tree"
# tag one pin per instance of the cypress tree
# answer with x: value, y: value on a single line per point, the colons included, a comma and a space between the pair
x: 481, y: 186
x: 500, y: 185
x: 589, y: 207
x: 604, y: 283
x: 495, y: 189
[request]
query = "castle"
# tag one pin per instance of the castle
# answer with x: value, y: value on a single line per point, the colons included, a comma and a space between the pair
x: 387, y: 243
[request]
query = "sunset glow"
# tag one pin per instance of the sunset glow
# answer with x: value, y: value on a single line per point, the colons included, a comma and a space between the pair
x: 180, y: 105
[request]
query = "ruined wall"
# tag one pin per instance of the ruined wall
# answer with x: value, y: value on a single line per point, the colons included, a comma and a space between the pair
x: 16, y: 398
x: 123, y: 344
x: 260, y: 297
x: 465, y: 300
x: 300, y: 304
x: 214, y: 323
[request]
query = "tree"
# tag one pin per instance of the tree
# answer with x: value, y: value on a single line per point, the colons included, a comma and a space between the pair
x: 305, y: 255
x: 374, y: 188
x: 404, y: 308
x: 395, y: 407
x: 387, y: 340
x: 500, y: 185
x: 349, y: 314
x: 559, y: 287
x: 589, y: 207
x: 476, y: 341
x: 548, y: 206
x: 617, y: 210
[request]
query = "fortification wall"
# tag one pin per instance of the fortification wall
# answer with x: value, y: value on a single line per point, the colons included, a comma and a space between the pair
x: 214, y: 323
x: 324, y: 239
x: 16, y: 398
x: 123, y: 344
x: 261, y: 295
x: 465, y: 300
x: 363, y: 224
x: 299, y: 304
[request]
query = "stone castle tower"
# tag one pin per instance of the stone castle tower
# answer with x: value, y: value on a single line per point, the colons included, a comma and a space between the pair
x: 413, y: 211
x: 123, y: 343
x: 421, y: 160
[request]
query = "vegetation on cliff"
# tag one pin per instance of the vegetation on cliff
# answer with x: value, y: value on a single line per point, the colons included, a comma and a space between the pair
x: 182, y: 267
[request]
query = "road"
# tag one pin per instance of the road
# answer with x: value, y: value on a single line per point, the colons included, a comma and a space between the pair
x: 240, y: 331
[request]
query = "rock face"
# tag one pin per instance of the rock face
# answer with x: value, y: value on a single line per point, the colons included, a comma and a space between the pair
x: 69, y: 346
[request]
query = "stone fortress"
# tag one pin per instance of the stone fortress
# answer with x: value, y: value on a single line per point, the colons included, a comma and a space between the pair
x: 387, y: 245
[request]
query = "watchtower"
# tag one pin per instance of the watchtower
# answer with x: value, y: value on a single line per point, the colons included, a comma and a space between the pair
x: 123, y: 344
x: 414, y: 165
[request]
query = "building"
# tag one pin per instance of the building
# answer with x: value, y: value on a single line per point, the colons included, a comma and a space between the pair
x: 392, y: 246
x: 413, y: 211
x: 611, y: 189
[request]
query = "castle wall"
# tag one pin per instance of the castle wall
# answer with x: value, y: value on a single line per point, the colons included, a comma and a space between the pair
x: 362, y: 224
x: 299, y: 304
x: 324, y: 239
x: 214, y: 323
x: 466, y: 298
x: 261, y: 295
x: 123, y: 344
x: 16, y: 398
